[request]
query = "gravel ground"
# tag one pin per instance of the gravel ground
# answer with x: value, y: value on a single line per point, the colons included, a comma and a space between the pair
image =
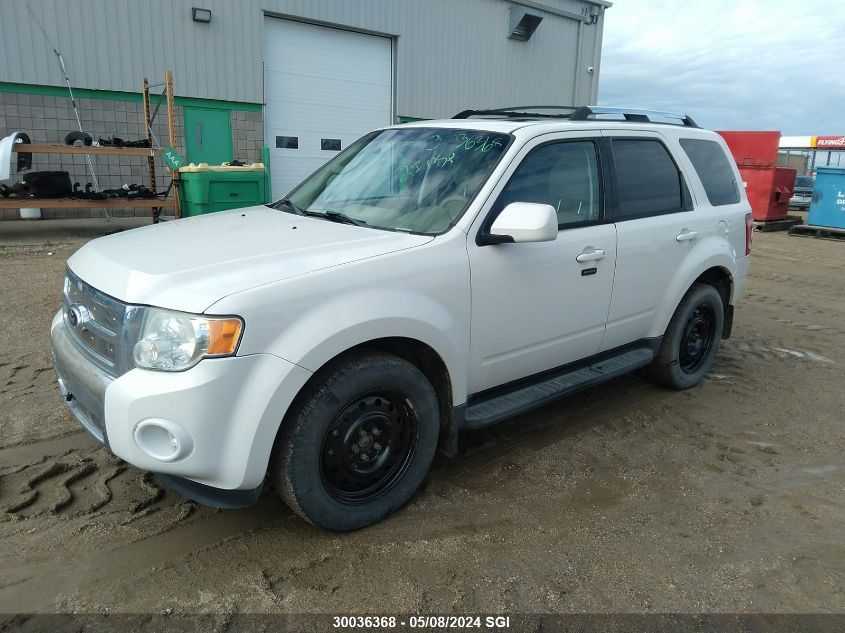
x: 627, y: 498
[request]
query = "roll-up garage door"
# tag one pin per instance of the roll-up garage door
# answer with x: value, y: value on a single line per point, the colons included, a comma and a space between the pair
x: 324, y: 88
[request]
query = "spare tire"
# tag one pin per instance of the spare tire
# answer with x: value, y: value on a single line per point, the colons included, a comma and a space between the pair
x: 82, y: 137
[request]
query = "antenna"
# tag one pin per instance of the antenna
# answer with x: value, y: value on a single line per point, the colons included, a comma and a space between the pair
x: 72, y: 99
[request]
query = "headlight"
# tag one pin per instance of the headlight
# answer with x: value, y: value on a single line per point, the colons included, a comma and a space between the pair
x: 173, y: 341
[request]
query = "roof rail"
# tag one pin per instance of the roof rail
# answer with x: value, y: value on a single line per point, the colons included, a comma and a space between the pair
x: 637, y: 116
x: 581, y: 113
x: 522, y: 112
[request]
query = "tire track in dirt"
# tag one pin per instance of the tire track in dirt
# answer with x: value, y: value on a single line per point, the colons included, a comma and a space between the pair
x: 167, y: 542
x: 70, y: 478
x: 20, y: 374
x: 81, y: 483
x: 57, y: 487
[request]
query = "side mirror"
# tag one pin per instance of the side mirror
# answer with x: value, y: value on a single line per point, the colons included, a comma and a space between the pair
x: 524, y: 222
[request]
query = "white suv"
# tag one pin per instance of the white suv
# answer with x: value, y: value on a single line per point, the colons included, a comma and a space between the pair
x: 432, y: 277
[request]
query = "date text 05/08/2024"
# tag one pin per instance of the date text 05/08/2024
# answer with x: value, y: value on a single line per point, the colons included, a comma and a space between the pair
x: 421, y: 621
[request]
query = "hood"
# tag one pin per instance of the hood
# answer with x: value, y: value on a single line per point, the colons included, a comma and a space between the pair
x: 191, y: 263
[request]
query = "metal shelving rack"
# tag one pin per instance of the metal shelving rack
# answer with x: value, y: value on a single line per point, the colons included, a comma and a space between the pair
x: 157, y: 204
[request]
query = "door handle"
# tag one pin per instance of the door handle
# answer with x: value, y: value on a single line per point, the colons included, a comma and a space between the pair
x: 590, y: 255
x: 686, y: 235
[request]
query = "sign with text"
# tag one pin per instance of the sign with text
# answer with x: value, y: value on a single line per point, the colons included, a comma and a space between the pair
x: 829, y: 142
x: 172, y: 158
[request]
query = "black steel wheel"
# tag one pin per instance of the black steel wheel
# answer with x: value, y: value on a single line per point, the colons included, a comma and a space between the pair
x: 697, y: 339
x: 368, y: 446
x: 691, y: 339
x: 357, y: 442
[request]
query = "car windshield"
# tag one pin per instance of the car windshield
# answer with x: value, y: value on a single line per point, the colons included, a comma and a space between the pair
x: 804, y: 181
x: 418, y: 180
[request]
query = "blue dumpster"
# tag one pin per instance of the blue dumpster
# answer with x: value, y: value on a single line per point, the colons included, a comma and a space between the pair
x: 828, y: 205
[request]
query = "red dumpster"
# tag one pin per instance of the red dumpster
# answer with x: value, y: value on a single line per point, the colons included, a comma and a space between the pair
x: 753, y: 148
x: 769, y: 190
x: 768, y: 187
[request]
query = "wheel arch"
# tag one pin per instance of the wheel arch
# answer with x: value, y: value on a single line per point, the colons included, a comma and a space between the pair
x: 716, y: 271
x: 721, y: 279
x: 418, y: 353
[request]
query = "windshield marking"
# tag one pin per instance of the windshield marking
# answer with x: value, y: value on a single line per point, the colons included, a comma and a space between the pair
x: 412, y: 179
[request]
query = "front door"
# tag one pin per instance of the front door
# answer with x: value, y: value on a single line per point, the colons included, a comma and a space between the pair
x: 537, y: 306
x: 208, y: 135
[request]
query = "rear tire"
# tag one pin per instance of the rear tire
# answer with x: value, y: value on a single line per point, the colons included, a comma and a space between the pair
x: 691, y: 340
x: 358, y: 442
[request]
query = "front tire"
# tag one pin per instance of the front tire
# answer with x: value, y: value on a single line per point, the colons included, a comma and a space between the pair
x: 691, y: 340
x: 357, y: 442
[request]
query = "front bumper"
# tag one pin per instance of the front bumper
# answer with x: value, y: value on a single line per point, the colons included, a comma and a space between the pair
x: 82, y: 383
x: 225, y: 411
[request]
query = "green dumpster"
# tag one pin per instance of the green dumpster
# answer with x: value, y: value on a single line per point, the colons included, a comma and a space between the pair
x: 207, y: 188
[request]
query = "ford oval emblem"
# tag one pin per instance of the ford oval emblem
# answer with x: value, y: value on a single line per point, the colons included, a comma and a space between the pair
x: 77, y: 316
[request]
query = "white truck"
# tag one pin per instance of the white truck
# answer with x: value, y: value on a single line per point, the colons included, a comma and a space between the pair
x: 432, y: 277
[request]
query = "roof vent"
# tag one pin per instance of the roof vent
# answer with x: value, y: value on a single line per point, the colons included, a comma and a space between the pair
x: 523, y: 23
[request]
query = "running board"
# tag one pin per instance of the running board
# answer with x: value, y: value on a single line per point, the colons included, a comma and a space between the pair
x: 524, y: 399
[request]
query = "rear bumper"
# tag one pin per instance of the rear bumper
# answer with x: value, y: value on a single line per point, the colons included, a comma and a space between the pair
x: 800, y: 202
x: 743, y: 264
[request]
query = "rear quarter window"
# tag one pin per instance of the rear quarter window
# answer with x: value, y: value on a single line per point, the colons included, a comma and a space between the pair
x: 713, y: 169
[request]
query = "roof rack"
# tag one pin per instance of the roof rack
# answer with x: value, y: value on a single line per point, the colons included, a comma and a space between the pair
x: 521, y: 112
x: 583, y: 113
x: 637, y: 116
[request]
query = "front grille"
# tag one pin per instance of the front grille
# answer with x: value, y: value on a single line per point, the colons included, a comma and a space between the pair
x: 103, y: 335
x: 103, y: 315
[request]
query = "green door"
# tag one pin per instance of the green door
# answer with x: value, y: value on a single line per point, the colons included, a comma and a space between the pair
x: 208, y: 135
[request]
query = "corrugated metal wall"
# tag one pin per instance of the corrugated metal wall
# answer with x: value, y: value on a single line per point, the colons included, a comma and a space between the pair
x: 450, y: 54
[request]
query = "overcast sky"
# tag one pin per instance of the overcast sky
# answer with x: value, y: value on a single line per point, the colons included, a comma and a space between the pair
x: 731, y: 65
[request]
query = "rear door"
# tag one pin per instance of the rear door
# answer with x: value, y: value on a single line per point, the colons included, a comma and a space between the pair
x: 656, y: 229
x: 718, y: 192
x: 537, y: 306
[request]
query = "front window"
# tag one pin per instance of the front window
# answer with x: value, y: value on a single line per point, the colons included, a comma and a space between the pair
x: 418, y: 180
x: 564, y: 175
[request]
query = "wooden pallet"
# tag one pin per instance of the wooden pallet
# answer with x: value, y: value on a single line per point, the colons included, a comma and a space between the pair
x: 776, y: 225
x: 825, y: 232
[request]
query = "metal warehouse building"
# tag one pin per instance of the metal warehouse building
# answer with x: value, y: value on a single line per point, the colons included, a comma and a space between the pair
x: 302, y: 77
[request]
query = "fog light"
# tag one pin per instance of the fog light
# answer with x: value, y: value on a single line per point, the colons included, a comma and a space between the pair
x: 163, y: 440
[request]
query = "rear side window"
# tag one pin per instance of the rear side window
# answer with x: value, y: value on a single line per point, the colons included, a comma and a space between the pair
x: 713, y: 169
x: 647, y: 180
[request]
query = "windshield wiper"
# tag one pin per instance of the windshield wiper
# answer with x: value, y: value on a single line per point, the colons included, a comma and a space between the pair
x: 334, y: 216
x: 337, y: 216
x: 287, y: 202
